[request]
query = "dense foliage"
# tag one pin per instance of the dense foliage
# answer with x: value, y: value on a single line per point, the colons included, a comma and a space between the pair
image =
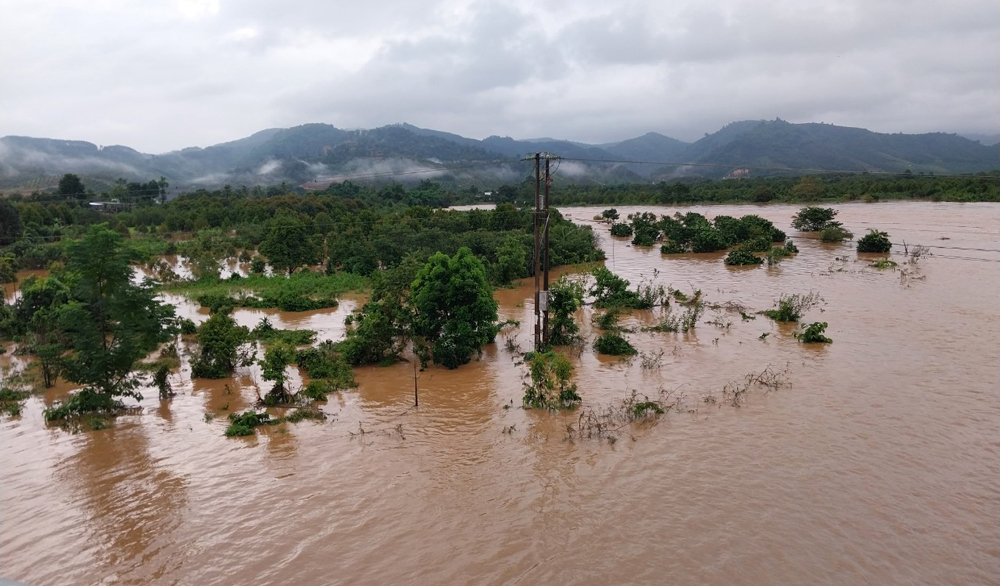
x: 874, y: 241
x: 551, y: 386
x: 565, y: 297
x: 814, y: 219
x: 454, y: 308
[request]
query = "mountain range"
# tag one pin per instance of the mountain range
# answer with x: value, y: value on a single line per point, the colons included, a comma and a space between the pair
x: 314, y: 155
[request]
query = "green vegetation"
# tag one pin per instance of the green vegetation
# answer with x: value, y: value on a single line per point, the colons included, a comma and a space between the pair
x: 742, y: 257
x: 161, y: 379
x: 302, y: 291
x: 835, y: 234
x: 828, y: 187
x: 453, y: 305
x: 874, y: 241
x: 613, y: 344
x: 290, y: 243
x: 224, y: 345
x: 884, y: 263
x: 267, y: 334
x: 565, y: 297
x: 624, y: 230
x: 644, y: 408
x: 328, y: 368
x: 12, y: 401
x: 611, y: 291
x: 241, y: 424
x: 685, y: 322
x: 97, y: 323
x: 813, y: 334
x: 692, y: 232
x: 815, y: 219
x: 274, y: 367
x: 551, y: 386
x: 789, y: 308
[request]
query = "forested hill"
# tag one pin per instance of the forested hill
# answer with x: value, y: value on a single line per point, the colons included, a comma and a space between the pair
x: 315, y: 155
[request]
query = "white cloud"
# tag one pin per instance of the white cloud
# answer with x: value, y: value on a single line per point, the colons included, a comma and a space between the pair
x: 196, y: 9
x: 172, y: 73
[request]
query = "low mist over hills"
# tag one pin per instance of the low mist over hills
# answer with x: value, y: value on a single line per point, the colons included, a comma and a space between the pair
x: 313, y: 155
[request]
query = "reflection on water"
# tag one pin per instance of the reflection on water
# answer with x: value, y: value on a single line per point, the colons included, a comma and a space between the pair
x: 878, y: 465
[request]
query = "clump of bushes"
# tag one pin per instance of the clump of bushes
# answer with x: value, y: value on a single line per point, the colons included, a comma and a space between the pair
x: 835, y: 234
x: 672, y: 248
x: 268, y: 334
x: 621, y: 230
x: 551, y: 386
x: 884, y: 263
x: 244, y: 423
x: 12, y: 401
x: 610, y: 290
x: 814, y: 219
x: 789, y: 308
x: 613, y: 344
x: 742, y: 257
x: 874, y: 241
x: 813, y: 334
x: 86, y: 401
x: 565, y: 297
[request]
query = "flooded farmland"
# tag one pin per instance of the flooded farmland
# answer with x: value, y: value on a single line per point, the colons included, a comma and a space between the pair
x: 877, y: 462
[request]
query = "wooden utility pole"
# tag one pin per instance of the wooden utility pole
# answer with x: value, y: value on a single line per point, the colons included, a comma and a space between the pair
x: 545, y: 261
x: 537, y: 253
x: 541, y: 252
x: 416, y: 396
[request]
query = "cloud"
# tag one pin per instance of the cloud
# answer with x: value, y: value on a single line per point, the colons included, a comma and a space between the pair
x: 160, y: 76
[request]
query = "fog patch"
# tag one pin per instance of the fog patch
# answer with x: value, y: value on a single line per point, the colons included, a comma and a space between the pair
x: 269, y: 166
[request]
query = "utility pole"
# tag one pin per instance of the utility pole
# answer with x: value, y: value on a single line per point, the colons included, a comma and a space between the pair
x: 541, y: 252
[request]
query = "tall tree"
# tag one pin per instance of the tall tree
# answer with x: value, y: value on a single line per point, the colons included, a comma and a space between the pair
x: 454, y: 305
x: 289, y: 244
x: 10, y: 223
x: 109, y: 322
x: 71, y: 186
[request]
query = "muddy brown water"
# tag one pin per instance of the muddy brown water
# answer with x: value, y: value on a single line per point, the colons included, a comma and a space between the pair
x: 879, y: 464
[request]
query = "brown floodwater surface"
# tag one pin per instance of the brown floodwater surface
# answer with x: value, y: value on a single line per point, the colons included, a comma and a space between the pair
x: 879, y: 462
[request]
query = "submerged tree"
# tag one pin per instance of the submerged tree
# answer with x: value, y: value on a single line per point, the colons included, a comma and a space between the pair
x: 454, y: 307
x: 224, y: 346
x: 289, y: 244
x: 565, y: 297
x: 551, y: 386
x: 109, y: 322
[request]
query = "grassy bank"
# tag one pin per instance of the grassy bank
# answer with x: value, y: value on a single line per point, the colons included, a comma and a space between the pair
x: 300, y: 292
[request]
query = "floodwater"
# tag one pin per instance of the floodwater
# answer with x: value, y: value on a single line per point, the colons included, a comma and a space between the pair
x: 877, y: 463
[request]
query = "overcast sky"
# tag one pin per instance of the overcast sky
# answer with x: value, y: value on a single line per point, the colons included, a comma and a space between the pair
x: 160, y: 75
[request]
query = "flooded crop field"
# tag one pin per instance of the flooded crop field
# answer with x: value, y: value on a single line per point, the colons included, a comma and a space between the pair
x: 875, y: 461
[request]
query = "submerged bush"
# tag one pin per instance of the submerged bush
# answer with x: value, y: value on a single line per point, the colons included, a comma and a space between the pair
x: 791, y: 307
x: 741, y: 257
x: 884, y: 263
x: 87, y: 401
x: 835, y: 234
x: 672, y: 248
x: 244, y: 423
x: 550, y: 386
x: 12, y: 401
x: 814, y: 219
x: 613, y: 344
x: 709, y: 240
x: 813, y: 334
x: 874, y: 241
x: 621, y: 230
